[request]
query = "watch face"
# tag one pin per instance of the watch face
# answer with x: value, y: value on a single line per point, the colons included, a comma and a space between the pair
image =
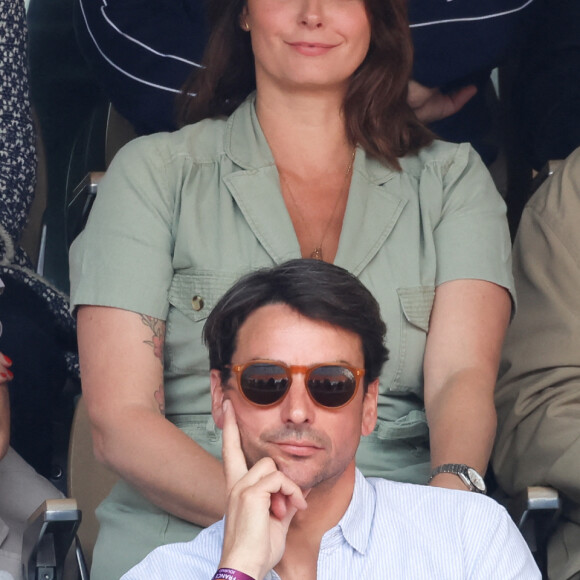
x: 476, y: 479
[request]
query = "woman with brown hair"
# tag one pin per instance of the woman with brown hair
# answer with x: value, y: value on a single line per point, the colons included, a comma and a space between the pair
x: 298, y: 142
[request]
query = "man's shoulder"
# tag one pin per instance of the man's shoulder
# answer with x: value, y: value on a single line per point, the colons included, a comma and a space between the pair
x: 424, y: 512
x: 388, y: 488
x: 429, y: 503
x: 461, y: 533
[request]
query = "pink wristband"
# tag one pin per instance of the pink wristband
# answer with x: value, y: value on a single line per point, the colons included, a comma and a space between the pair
x: 230, y: 574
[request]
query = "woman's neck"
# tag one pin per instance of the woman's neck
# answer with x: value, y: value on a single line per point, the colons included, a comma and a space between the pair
x: 307, y: 136
x: 305, y: 130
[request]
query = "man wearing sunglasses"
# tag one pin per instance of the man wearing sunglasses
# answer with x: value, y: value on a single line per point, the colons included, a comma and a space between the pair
x: 296, y: 352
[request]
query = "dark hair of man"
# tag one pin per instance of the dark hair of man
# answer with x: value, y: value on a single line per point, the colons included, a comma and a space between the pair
x: 315, y: 289
x: 376, y: 112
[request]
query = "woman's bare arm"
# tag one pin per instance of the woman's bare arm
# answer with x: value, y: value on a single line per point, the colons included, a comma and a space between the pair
x: 122, y: 378
x: 467, y: 327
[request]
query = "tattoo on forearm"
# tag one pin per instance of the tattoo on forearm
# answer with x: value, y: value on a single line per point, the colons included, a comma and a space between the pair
x: 158, y: 339
x: 160, y: 398
x: 157, y: 342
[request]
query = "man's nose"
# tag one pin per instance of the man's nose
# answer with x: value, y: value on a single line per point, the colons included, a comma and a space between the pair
x: 297, y: 406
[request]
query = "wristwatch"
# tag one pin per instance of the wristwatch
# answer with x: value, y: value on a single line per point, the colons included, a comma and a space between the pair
x: 467, y: 474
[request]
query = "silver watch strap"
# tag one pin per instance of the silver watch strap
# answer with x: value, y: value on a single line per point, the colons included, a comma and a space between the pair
x: 462, y: 471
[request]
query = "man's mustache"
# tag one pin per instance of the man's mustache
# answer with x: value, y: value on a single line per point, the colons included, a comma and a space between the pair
x: 297, y: 433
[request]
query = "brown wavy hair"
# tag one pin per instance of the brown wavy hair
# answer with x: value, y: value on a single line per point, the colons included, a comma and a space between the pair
x: 377, y: 116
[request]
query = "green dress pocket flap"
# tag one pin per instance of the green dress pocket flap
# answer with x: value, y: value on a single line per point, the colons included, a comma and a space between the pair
x: 416, y: 303
x: 195, y: 295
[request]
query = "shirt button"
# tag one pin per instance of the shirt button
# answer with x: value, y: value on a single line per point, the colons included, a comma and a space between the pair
x: 197, y: 303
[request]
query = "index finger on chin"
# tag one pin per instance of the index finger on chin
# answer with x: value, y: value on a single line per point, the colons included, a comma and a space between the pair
x: 235, y: 466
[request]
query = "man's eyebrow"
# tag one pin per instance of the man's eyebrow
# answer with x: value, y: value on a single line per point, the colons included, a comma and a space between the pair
x: 323, y: 362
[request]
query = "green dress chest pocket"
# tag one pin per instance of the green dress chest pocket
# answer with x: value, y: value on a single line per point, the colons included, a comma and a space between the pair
x: 192, y: 297
x: 415, y: 306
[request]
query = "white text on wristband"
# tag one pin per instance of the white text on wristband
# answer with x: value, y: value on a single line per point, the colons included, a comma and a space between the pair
x: 231, y: 574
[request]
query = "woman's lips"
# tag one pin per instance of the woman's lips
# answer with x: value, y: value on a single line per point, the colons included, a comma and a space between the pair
x: 311, y: 48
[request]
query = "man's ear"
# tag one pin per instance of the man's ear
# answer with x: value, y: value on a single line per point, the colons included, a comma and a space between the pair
x: 369, y: 413
x: 217, y: 397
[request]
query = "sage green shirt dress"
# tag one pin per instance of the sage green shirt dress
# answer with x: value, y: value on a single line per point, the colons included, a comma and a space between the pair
x: 180, y: 216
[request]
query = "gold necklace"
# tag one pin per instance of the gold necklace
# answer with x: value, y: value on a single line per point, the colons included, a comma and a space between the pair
x: 317, y: 252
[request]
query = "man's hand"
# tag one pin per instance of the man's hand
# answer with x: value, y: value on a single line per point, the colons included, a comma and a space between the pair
x: 430, y: 104
x: 261, y: 505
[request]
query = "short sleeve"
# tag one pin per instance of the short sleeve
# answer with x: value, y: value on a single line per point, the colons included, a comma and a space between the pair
x: 472, y: 236
x: 123, y: 258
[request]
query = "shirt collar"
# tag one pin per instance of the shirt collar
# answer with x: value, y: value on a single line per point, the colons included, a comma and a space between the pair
x: 375, y: 202
x: 357, y: 521
x: 244, y: 140
x: 246, y: 145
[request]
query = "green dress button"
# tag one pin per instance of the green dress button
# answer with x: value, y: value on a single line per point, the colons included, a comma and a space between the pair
x: 197, y: 303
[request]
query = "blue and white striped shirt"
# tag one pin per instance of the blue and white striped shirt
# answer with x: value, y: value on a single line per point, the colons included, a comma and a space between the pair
x: 390, y: 530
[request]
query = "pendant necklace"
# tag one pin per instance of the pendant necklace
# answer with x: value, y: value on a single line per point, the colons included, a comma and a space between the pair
x: 316, y: 254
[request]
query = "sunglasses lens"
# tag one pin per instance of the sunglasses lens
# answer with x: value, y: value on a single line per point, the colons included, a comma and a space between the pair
x: 264, y: 383
x: 332, y: 385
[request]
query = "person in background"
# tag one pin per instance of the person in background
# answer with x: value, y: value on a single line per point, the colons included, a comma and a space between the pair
x: 141, y: 53
x: 546, y: 99
x: 547, y: 87
x: 538, y: 393
x: 296, y: 352
x: 22, y: 488
x: 38, y: 331
x: 451, y: 87
x: 299, y: 143
x: 6, y: 375
x: 37, y: 334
